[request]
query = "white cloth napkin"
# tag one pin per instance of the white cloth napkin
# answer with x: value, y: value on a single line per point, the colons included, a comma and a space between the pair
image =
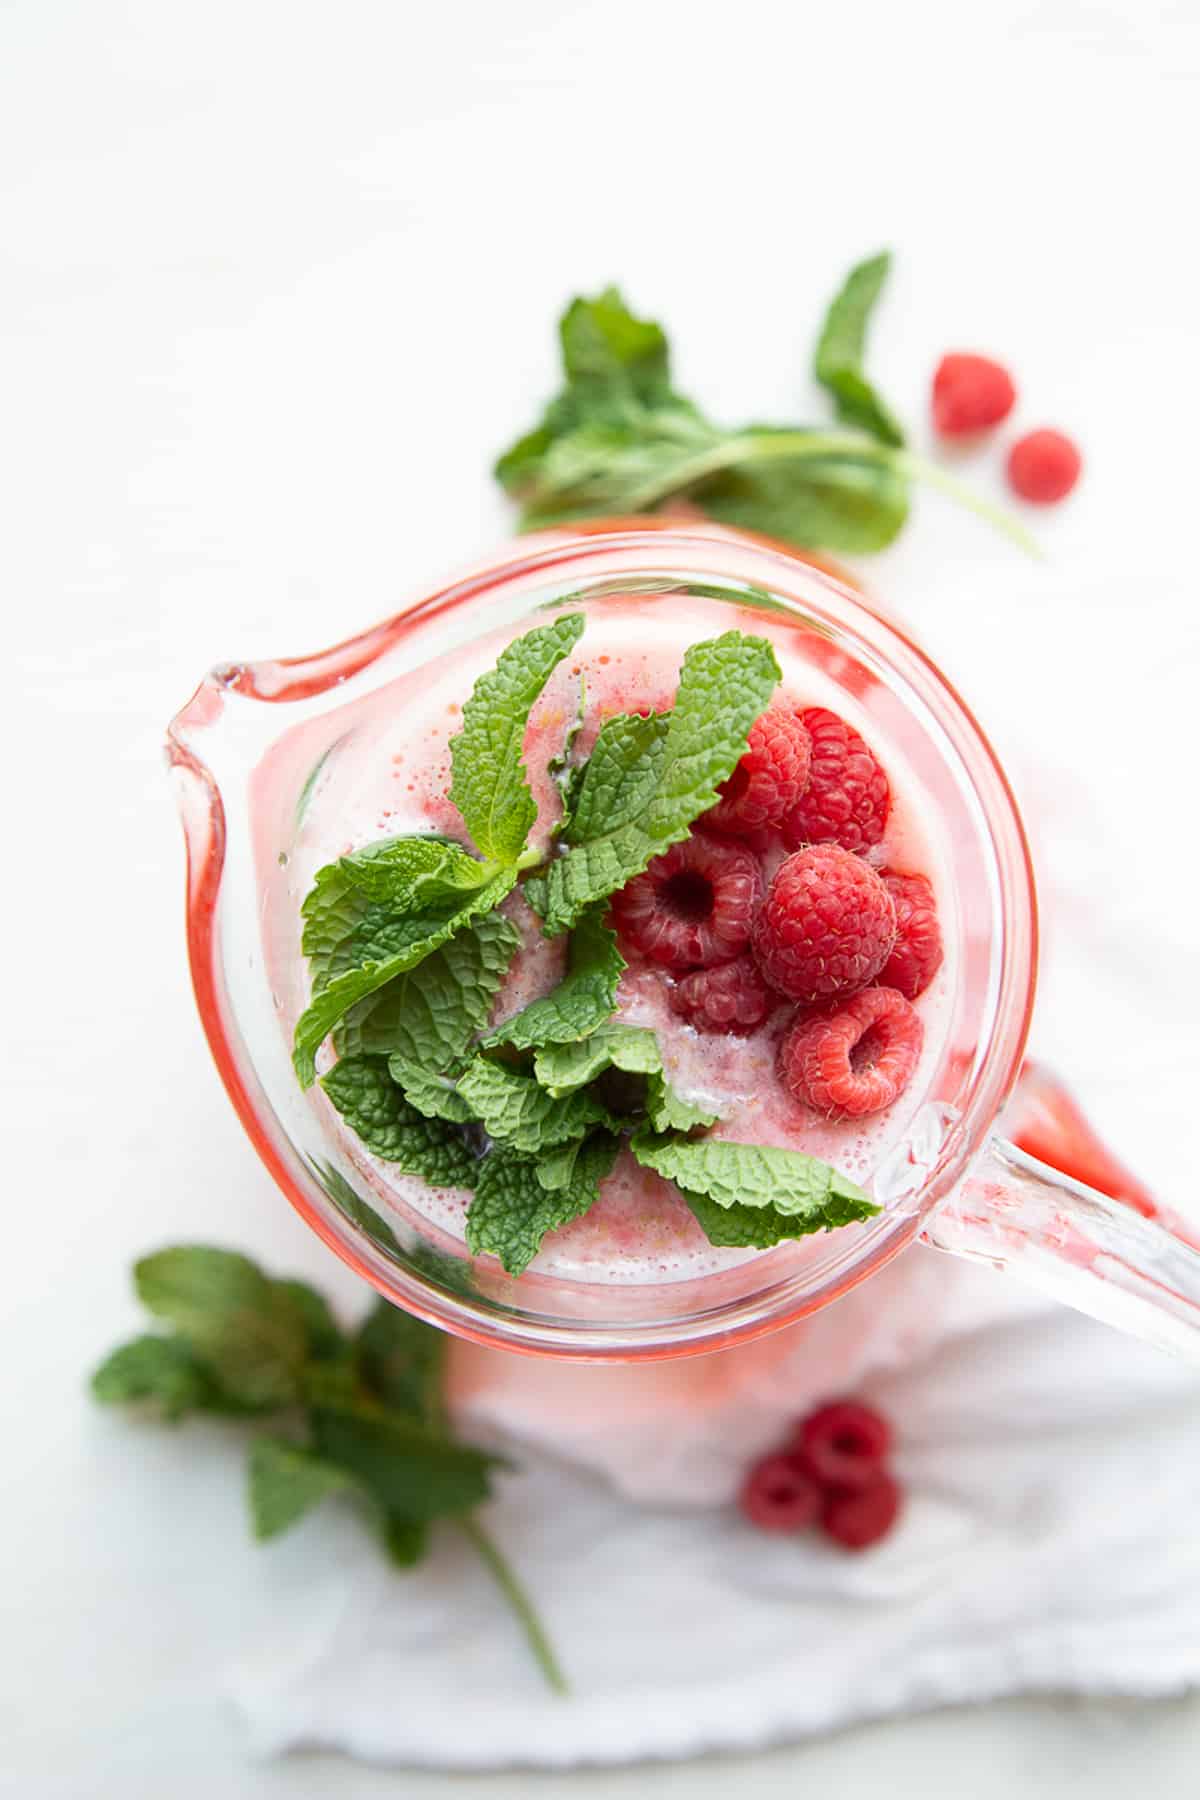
x: 1052, y: 1466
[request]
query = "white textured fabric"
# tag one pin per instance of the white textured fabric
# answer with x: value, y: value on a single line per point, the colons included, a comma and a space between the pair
x: 1053, y: 1468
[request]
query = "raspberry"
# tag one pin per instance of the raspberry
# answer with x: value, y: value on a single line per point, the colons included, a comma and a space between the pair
x: 847, y: 798
x: 860, y: 1518
x: 779, y: 1494
x: 1044, y: 466
x: 693, y: 906
x: 854, y: 1061
x: 969, y: 394
x: 733, y: 997
x: 917, y: 955
x: 845, y: 1444
x: 827, y: 925
x: 768, y: 781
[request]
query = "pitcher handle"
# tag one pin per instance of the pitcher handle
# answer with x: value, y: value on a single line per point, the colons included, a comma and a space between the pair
x: 1099, y: 1255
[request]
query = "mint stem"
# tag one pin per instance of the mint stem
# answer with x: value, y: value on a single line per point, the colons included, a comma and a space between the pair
x: 800, y: 446
x: 505, y: 1578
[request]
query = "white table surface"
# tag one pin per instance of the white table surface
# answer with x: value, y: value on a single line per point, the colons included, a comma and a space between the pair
x: 276, y: 279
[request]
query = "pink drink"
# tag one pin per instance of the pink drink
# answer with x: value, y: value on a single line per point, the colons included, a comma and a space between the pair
x: 389, y: 772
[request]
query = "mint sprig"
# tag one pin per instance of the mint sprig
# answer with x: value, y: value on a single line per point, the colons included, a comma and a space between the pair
x: 359, y: 1416
x: 619, y: 439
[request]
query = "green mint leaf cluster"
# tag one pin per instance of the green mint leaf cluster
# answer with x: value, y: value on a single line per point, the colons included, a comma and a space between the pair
x: 359, y: 1414
x: 619, y: 439
x: 724, y: 685
x: 408, y: 957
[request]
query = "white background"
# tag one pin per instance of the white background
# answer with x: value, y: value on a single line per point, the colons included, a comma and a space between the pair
x: 276, y: 281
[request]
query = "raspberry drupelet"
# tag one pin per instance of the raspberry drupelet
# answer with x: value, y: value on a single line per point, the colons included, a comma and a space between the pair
x: 692, y: 907
x: 848, y: 798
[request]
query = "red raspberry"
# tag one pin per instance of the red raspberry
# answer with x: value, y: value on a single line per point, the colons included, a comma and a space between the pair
x: 847, y: 798
x: 733, y: 997
x: 827, y: 925
x: 693, y: 906
x: 845, y: 1444
x: 768, y: 781
x: 780, y: 1495
x: 854, y: 1061
x: 858, y: 1519
x: 1043, y: 467
x: 969, y: 394
x: 917, y: 955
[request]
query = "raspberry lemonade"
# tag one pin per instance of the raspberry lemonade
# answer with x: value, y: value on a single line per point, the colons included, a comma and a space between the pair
x: 611, y: 946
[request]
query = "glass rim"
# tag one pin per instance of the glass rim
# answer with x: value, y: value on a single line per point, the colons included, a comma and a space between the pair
x: 548, y: 554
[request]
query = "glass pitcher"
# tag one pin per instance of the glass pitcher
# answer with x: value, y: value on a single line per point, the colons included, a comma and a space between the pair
x: 957, y: 1185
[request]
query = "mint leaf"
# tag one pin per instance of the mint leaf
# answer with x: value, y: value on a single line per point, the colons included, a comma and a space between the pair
x: 603, y: 343
x: 429, y: 1015
x: 520, y: 1114
x: 413, y: 1473
x: 489, y: 786
x: 753, y: 1194
x: 323, y: 1336
x: 583, y: 999
x: 621, y: 775
x: 724, y: 685
x: 377, y: 1112
x: 401, y: 871
x: 434, y: 1096
x: 617, y: 372
x: 402, y: 1362
x: 838, y: 364
x: 820, y: 490
x: 667, y: 1111
x: 382, y: 945
x: 163, y: 1369
x: 249, y: 1331
x: 562, y: 1068
x: 513, y: 1210
x: 286, y: 1481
